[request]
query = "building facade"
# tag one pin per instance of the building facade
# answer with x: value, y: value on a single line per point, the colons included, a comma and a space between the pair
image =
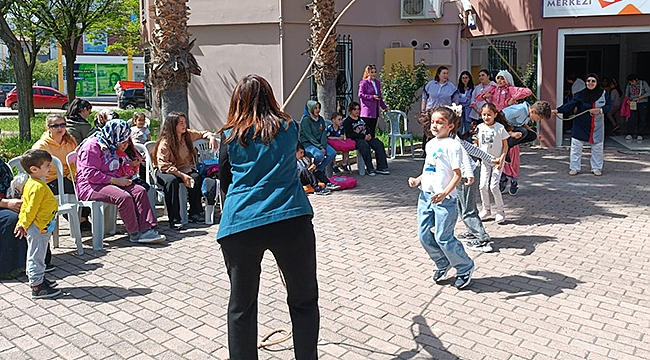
x: 269, y: 37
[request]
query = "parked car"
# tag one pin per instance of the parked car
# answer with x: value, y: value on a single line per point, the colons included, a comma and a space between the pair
x: 44, y: 98
x: 132, y: 99
x: 4, y: 90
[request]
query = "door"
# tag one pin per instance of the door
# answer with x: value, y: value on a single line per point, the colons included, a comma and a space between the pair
x: 50, y: 99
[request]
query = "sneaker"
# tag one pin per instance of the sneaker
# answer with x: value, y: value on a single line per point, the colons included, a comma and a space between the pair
x: 629, y: 137
x: 440, y: 275
x: 371, y: 173
x: 573, y: 172
x: 597, y: 172
x: 383, y: 172
x: 49, y: 268
x: 500, y: 218
x: 151, y: 237
x: 43, y: 290
x: 503, y: 183
x: 463, y: 280
x: 639, y: 137
x: 333, y: 187
x: 466, y: 236
x: 175, y: 226
x: 513, y: 188
x: 336, y: 170
x: 50, y: 283
x: 484, y: 214
x: 346, y: 168
x: 477, y: 245
x: 134, y: 237
x: 196, y: 218
x: 322, y: 192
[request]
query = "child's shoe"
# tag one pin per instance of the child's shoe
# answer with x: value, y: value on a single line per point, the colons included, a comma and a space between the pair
x: 346, y: 168
x: 462, y: 281
x: 440, y: 275
x: 43, y: 290
x: 500, y: 218
x: 336, y: 170
x: 513, y: 188
x: 50, y: 283
x: 332, y: 187
x: 503, y: 183
x: 484, y: 214
x: 319, y: 190
x: 477, y: 245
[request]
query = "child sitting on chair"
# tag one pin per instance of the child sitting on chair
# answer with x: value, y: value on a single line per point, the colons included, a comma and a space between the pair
x: 140, y: 132
x: 336, y: 139
x: 309, y: 177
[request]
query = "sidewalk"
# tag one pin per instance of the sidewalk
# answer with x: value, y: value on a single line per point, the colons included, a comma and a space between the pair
x: 569, y: 279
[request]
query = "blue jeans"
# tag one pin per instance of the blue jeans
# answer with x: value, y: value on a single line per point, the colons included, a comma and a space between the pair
x: 321, y: 161
x: 443, y: 248
x: 467, y: 207
x: 36, y: 250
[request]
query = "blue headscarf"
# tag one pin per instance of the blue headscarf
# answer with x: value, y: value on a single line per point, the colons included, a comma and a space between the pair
x: 113, y: 133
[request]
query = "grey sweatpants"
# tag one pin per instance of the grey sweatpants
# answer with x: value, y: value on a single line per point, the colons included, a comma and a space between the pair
x: 36, y: 250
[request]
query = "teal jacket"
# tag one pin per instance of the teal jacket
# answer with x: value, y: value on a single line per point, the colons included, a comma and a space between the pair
x: 262, y: 183
x: 313, y: 132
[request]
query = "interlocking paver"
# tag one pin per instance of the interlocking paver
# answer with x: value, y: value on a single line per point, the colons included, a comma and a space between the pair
x: 568, y: 280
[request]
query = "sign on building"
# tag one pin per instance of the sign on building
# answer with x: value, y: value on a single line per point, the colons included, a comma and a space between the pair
x: 575, y: 8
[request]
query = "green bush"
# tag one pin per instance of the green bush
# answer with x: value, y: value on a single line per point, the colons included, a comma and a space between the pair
x: 11, y: 145
x: 401, y: 83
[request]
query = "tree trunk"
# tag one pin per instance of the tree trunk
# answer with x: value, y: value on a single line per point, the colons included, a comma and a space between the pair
x: 174, y: 98
x: 23, y: 80
x: 327, y: 97
x: 70, y: 58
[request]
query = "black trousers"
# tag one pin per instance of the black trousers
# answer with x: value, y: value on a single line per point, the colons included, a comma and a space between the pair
x: 526, y: 137
x: 293, y: 245
x: 364, y: 147
x: 170, y: 185
x: 371, y: 125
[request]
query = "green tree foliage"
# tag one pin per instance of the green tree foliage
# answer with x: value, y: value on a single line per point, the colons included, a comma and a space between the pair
x: 401, y: 83
x: 46, y: 72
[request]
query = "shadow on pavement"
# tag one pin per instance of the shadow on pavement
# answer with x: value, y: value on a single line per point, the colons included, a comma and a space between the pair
x: 425, y: 341
x: 528, y: 243
x: 100, y: 293
x: 546, y: 283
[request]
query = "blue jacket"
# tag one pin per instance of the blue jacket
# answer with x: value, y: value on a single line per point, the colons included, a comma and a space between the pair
x: 586, y: 127
x: 262, y: 183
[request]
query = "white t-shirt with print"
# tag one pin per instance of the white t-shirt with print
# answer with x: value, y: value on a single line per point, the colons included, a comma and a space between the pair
x: 443, y: 157
x: 490, y: 138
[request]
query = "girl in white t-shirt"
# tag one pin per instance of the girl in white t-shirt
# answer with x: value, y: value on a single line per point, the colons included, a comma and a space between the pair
x: 492, y: 138
x: 437, y: 204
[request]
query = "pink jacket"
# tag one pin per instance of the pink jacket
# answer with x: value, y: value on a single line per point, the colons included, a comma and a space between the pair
x: 500, y: 96
x: 95, y: 168
x: 625, y: 108
x: 370, y: 106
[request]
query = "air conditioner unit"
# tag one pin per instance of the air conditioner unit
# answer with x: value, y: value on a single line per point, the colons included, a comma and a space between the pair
x: 421, y: 9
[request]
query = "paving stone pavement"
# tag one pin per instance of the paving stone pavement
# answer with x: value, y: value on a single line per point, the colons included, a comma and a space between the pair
x: 568, y: 279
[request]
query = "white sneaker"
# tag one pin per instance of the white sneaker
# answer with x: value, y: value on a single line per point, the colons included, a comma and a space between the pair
x: 484, y: 214
x: 573, y: 172
x: 500, y: 218
x: 639, y: 137
x: 597, y: 172
x: 629, y: 137
x: 151, y: 236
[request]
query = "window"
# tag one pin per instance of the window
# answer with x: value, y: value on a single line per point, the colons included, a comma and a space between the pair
x: 46, y: 92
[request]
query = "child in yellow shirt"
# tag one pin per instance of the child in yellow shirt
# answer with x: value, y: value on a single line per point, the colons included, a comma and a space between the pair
x: 36, y: 220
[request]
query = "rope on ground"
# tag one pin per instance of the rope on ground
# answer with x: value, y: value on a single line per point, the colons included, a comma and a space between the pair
x: 304, y: 75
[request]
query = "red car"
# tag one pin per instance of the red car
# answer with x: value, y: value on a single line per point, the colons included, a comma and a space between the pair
x: 44, y: 98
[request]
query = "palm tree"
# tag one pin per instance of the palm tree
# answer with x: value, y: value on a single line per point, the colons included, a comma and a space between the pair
x: 172, y: 64
x: 326, y: 61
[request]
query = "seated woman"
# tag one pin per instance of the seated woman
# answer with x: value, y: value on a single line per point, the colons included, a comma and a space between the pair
x: 13, y: 251
x: 175, y: 157
x: 59, y: 143
x: 99, y: 179
x: 355, y: 129
x: 313, y: 136
x: 101, y: 118
x: 77, y: 119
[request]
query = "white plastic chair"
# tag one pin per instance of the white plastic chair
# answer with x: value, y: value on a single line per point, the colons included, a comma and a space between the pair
x: 100, y: 212
x: 205, y: 153
x: 65, y: 207
x: 182, y: 189
x: 395, y: 119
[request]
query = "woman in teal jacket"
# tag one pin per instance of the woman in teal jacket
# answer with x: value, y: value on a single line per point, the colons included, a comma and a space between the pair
x: 265, y: 209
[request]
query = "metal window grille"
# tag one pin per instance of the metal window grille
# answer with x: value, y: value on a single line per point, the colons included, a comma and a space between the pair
x: 344, y: 87
x: 509, y: 51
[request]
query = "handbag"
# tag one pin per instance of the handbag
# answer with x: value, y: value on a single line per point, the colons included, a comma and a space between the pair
x: 632, y: 105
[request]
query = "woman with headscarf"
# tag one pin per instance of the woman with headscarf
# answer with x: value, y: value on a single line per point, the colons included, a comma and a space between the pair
x: 504, y: 93
x: 98, y: 178
x: 370, y: 98
x: 313, y: 136
x: 588, y: 127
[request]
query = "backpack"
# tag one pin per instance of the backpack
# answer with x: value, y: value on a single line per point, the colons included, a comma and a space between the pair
x: 345, y: 182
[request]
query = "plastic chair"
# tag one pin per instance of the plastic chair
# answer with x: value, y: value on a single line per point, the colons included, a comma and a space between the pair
x: 100, y: 212
x: 182, y: 189
x: 205, y: 153
x: 395, y: 119
x: 64, y: 207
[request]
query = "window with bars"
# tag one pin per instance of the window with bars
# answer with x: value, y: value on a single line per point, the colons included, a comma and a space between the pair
x: 344, y: 80
x: 509, y: 51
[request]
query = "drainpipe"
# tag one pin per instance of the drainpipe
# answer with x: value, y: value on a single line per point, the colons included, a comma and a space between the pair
x: 281, y: 34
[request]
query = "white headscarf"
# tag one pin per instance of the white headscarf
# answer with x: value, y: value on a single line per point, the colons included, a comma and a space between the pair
x: 506, y: 75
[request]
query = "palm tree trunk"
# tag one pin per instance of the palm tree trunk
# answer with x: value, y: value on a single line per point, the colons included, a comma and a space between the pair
x: 326, y: 64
